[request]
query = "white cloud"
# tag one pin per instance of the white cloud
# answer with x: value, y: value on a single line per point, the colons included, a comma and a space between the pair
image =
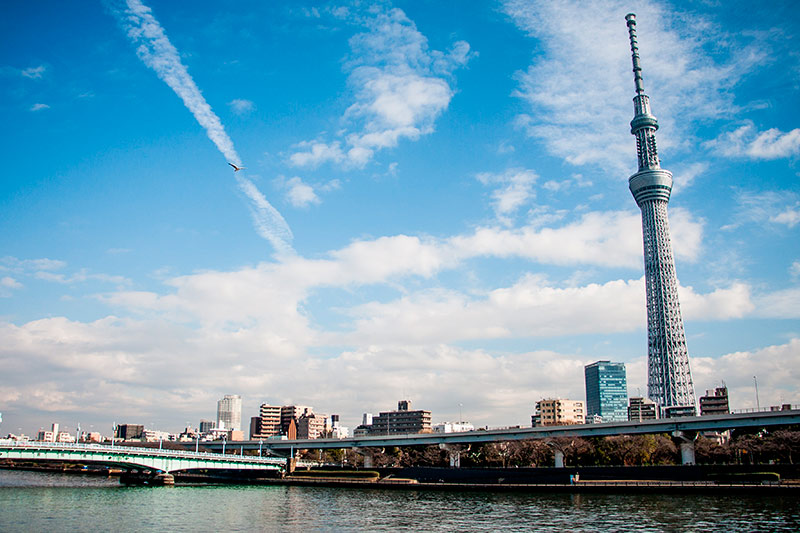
x: 81, y: 276
x: 794, y: 270
x: 314, y: 153
x: 218, y: 297
x: 39, y: 107
x: 505, y: 147
x: 7, y: 284
x: 400, y: 88
x: 241, y: 106
x: 721, y: 304
x: 516, y: 188
x: 598, y: 238
x: 48, y: 270
x: 34, y: 73
x: 579, y: 90
x: 789, y: 216
x: 300, y: 194
x: 27, y: 265
x: 157, y: 52
x: 685, y: 176
x: 777, y: 369
x: 532, y: 307
x: 250, y: 327
x: 746, y: 142
x: 767, y: 206
x: 784, y: 303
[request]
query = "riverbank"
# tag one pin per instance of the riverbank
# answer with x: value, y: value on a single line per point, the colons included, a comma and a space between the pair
x: 579, y: 487
x: 783, y: 480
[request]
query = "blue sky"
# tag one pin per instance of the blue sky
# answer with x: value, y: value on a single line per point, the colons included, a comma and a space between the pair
x: 434, y: 204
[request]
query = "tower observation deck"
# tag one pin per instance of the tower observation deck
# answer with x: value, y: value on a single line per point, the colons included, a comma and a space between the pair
x: 669, y: 379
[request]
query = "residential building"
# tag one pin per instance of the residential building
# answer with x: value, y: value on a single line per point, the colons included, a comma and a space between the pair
x: 255, y: 428
x: 48, y: 436
x: 642, y: 409
x: 45, y: 436
x: 292, y: 412
x: 401, y: 421
x: 715, y: 402
x: 606, y: 391
x: 154, y: 435
x: 92, y: 436
x: 270, y: 416
x: 229, y: 412
x: 338, y: 431
x: 311, y: 425
x: 453, y: 427
x: 130, y: 431
x: 206, y: 426
x: 558, y: 412
x: 676, y: 411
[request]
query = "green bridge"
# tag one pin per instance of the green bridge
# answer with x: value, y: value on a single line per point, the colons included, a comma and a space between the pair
x: 155, y: 463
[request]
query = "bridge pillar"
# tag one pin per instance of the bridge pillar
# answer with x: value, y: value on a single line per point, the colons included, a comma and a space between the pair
x: 454, y: 452
x: 559, y: 457
x: 366, y: 454
x: 685, y: 440
x: 291, y: 464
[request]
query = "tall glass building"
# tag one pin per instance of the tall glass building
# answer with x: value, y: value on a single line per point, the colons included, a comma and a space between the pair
x: 606, y: 391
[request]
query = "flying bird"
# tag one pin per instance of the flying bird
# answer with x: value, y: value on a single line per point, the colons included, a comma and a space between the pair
x: 235, y: 168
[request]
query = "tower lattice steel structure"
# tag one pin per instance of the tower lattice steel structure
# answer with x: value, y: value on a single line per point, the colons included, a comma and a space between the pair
x: 669, y: 381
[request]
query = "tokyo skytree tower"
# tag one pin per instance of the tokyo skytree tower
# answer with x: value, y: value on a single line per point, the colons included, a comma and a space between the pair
x: 669, y: 381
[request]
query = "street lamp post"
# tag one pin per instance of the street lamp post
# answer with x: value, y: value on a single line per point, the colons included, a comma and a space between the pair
x: 758, y: 404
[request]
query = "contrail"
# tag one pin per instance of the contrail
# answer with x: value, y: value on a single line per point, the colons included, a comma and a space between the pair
x: 157, y: 52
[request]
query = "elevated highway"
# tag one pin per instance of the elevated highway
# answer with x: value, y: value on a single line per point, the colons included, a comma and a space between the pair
x: 683, y: 428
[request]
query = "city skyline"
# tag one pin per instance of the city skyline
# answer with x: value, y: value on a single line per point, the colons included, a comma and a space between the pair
x: 434, y: 205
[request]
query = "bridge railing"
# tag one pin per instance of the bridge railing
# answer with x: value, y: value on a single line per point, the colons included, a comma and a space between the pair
x: 134, y: 450
x: 770, y: 409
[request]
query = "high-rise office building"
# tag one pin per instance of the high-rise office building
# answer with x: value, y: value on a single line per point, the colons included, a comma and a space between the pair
x: 229, y: 412
x: 669, y: 380
x: 606, y: 391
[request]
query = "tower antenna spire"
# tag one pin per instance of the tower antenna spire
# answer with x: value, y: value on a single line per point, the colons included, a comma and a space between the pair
x: 637, y: 68
x: 669, y: 380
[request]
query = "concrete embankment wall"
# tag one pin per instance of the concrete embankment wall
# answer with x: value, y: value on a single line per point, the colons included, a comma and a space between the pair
x: 716, y: 473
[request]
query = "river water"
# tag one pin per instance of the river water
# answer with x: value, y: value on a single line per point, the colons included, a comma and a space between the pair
x: 32, y: 501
